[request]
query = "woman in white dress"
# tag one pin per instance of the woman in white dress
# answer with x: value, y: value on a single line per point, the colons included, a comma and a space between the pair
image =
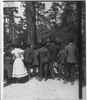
x: 19, y: 69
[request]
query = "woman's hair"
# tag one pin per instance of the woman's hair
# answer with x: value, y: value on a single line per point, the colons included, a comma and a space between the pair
x: 17, y: 45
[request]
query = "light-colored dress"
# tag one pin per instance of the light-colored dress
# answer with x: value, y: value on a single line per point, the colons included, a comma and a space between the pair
x: 19, y: 69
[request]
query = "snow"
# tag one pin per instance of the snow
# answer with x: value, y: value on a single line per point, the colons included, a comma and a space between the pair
x: 34, y: 89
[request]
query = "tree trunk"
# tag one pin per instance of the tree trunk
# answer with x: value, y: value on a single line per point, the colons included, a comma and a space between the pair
x: 31, y: 23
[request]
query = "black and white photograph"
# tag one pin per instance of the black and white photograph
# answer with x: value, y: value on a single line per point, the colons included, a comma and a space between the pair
x: 44, y: 50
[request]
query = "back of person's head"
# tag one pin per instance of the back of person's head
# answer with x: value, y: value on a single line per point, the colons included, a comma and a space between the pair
x: 12, y: 45
x: 34, y: 48
x: 28, y: 45
x: 59, y: 43
x: 52, y: 40
x: 55, y: 42
x: 43, y: 43
x: 31, y: 46
x: 10, y: 41
x: 17, y: 45
x: 39, y: 45
x: 63, y: 47
x: 71, y: 40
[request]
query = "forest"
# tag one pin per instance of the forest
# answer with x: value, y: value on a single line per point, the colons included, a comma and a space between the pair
x: 63, y: 20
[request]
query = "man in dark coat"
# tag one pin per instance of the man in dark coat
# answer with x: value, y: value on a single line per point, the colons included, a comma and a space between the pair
x: 54, y: 50
x: 44, y: 60
x: 61, y: 60
x: 36, y: 61
x: 71, y: 59
x: 28, y: 59
x: 8, y: 62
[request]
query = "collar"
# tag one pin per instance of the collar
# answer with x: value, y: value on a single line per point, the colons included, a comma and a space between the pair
x: 70, y: 43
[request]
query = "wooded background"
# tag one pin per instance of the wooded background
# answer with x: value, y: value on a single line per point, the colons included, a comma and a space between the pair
x: 59, y: 22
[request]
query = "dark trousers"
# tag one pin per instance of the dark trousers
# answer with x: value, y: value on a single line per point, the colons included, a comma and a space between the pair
x: 34, y: 69
x: 28, y: 66
x: 51, y: 67
x: 61, y: 69
x: 44, y: 67
x: 69, y: 71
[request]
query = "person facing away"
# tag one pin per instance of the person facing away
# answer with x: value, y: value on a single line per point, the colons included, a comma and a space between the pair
x: 36, y: 60
x: 28, y: 59
x: 19, y: 69
x: 8, y: 64
x: 71, y: 59
x: 54, y: 50
x: 44, y: 60
x: 61, y: 61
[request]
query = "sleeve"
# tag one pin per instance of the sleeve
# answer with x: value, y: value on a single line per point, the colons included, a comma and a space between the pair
x: 32, y: 56
x: 58, y: 55
x: 66, y: 51
x: 77, y: 54
x: 22, y: 57
x: 22, y: 51
x: 65, y: 56
x: 48, y: 55
x: 21, y: 54
x: 39, y: 56
x: 13, y: 51
x: 49, y: 49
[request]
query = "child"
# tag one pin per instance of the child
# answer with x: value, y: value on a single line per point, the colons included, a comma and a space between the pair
x: 36, y: 60
x: 61, y: 60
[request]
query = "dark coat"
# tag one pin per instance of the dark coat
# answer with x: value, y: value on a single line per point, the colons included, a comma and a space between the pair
x: 71, y: 53
x: 8, y: 63
x: 44, y: 54
x: 36, y: 57
x: 28, y: 55
x: 62, y: 56
x: 54, y: 50
x: 8, y: 67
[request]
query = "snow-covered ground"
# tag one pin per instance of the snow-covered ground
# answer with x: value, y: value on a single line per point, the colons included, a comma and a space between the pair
x: 84, y: 93
x: 36, y: 90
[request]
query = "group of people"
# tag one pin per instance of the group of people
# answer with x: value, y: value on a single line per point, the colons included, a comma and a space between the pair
x: 43, y: 59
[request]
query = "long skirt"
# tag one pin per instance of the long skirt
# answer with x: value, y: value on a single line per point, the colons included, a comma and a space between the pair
x: 19, y: 69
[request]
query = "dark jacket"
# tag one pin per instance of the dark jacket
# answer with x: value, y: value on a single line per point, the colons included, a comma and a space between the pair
x: 36, y: 57
x: 72, y: 53
x: 54, y: 50
x: 9, y: 54
x: 28, y: 55
x: 44, y: 54
x: 8, y: 63
x: 62, y: 56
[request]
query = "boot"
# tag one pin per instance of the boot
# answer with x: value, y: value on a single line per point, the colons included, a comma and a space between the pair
x: 16, y: 80
x: 59, y: 78
x: 72, y: 79
x: 72, y: 83
x: 65, y: 81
